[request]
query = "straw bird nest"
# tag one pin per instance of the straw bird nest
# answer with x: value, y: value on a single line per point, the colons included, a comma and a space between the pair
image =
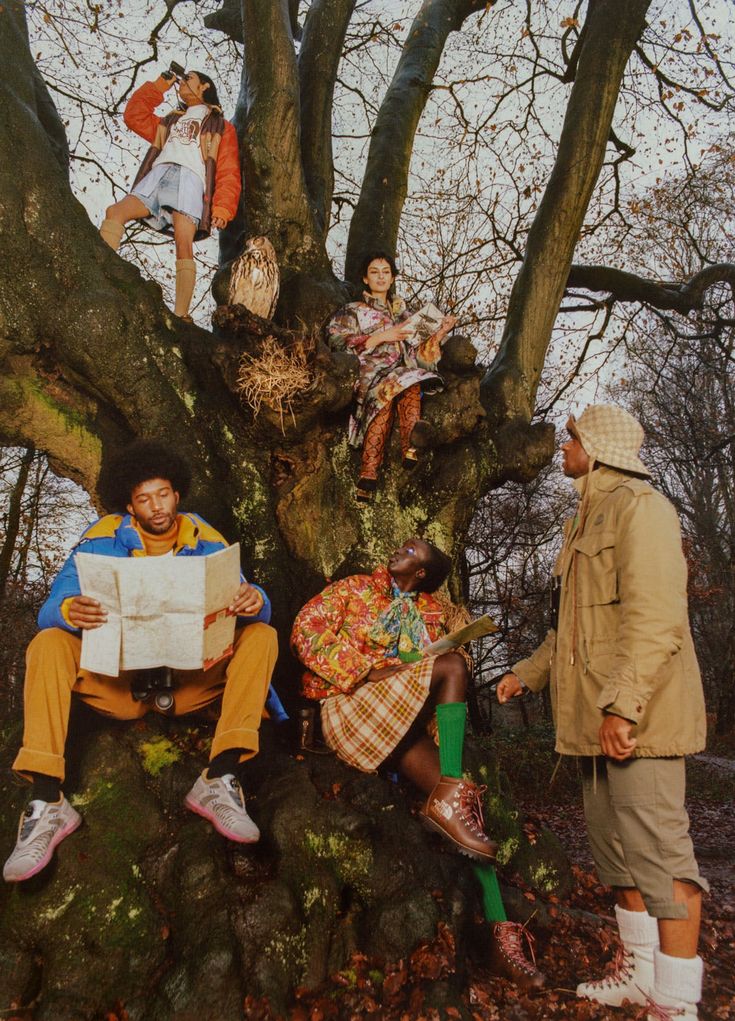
x: 276, y: 376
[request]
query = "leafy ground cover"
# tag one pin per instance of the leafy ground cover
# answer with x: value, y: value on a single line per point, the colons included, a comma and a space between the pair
x: 576, y: 937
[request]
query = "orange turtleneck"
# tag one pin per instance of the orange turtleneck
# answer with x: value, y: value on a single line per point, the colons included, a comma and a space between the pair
x: 159, y: 545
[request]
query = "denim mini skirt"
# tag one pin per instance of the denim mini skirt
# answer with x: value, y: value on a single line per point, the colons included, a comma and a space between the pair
x: 169, y: 188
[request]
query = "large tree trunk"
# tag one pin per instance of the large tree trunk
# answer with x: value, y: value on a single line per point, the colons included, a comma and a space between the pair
x: 147, y: 909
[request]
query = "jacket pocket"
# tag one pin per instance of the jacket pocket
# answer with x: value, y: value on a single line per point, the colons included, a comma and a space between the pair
x: 597, y: 581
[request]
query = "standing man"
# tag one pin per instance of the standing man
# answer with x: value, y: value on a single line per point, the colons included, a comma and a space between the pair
x: 189, y: 181
x: 627, y: 698
x: 145, y: 484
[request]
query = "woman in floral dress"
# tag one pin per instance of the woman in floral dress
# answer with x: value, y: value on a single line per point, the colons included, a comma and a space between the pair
x: 391, y: 377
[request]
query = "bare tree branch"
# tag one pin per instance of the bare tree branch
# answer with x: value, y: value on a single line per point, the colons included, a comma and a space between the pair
x: 377, y: 215
x: 321, y: 50
x: 611, y: 31
x: 624, y: 286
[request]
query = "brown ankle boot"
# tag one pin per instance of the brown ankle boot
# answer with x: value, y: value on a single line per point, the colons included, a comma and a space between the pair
x: 508, y: 958
x: 454, y: 808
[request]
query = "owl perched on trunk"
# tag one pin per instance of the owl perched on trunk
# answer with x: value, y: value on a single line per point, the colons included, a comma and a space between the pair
x: 254, y: 278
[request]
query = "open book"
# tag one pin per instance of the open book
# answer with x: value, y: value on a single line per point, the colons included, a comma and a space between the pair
x: 161, y: 611
x: 424, y: 325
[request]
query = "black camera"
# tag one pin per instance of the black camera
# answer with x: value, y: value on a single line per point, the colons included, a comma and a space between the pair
x: 156, y: 685
x: 174, y: 71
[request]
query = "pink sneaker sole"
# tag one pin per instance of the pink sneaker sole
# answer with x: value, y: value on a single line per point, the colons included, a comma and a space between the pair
x: 212, y: 818
x: 56, y: 840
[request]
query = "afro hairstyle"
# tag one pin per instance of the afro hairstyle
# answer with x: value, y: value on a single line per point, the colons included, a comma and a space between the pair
x: 140, y: 462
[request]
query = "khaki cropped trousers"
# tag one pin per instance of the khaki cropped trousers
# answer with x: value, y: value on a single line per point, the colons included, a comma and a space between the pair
x: 53, y: 675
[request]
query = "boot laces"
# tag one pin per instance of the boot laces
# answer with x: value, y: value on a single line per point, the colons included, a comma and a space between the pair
x: 510, y: 937
x: 470, y: 803
x: 658, y: 1012
x: 620, y: 971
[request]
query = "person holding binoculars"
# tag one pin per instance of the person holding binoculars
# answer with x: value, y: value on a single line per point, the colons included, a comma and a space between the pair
x: 189, y: 180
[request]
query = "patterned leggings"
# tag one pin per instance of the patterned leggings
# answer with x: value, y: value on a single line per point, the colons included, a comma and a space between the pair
x: 408, y: 404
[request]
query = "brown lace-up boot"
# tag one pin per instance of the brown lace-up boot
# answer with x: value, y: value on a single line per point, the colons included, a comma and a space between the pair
x: 454, y: 808
x: 508, y: 957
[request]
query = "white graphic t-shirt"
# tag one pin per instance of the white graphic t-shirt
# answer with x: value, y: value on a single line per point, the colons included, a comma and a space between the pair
x: 182, y: 145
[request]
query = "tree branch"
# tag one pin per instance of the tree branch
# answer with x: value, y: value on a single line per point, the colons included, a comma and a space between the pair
x: 321, y: 49
x: 610, y: 32
x: 267, y: 119
x: 378, y: 212
x: 678, y: 297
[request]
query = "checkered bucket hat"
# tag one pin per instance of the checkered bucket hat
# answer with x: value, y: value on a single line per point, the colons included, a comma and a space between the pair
x: 610, y: 435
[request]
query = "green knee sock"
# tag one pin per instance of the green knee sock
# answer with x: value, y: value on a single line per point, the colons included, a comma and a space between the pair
x: 492, y: 902
x: 450, y: 721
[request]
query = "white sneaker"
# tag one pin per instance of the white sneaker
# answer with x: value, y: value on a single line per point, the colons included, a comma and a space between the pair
x: 42, y: 827
x: 677, y: 989
x: 630, y: 977
x: 675, y: 1010
x: 221, y: 802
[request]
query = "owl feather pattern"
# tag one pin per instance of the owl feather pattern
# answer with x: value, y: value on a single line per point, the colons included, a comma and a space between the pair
x: 254, y: 278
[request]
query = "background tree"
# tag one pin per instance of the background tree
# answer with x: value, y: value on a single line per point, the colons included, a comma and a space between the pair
x: 39, y: 510
x: 678, y: 378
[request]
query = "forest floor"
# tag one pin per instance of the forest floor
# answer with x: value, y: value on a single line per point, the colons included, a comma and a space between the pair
x: 581, y: 937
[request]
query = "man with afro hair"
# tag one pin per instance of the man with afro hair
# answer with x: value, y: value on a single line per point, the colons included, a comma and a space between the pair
x: 143, y: 486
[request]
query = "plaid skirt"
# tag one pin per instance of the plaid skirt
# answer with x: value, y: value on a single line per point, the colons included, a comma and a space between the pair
x: 364, y: 726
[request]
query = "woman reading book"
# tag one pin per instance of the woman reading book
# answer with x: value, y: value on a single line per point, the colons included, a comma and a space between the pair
x: 396, y: 361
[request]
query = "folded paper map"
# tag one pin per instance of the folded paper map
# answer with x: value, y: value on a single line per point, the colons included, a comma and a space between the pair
x: 475, y: 629
x: 161, y: 611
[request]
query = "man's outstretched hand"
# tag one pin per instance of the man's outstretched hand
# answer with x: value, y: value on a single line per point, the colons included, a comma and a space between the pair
x: 86, y: 613
x: 247, y: 602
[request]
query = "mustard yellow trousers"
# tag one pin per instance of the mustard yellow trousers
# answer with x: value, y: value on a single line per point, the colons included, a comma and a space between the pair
x: 53, y: 675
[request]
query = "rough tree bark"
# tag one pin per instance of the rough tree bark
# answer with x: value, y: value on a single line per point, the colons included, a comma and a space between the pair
x: 90, y: 358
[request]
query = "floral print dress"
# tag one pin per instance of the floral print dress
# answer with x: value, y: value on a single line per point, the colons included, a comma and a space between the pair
x: 386, y: 370
x: 339, y: 636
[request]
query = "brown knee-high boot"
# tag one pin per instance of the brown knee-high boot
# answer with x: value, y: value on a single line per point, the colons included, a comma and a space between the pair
x: 111, y: 231
x: 186, y: 275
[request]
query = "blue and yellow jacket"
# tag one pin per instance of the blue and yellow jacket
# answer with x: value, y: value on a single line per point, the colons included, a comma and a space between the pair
x: 117, y: 535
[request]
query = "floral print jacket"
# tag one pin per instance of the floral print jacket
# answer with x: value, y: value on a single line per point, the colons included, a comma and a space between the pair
x: 386, y: 370
x: 331, y: 634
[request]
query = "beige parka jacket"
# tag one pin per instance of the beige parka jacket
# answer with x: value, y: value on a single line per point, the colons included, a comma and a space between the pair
x: 622, y: 643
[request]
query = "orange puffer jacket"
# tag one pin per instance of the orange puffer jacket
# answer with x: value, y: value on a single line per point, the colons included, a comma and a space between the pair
x: 218, y: 141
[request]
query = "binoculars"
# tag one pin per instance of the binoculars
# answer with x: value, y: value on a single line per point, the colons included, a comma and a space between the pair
x: 155, y: 685
x: 174, y: 71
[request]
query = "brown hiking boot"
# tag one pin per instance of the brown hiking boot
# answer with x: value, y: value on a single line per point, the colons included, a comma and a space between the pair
x: 454, y: 808
x: 508, y: 958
